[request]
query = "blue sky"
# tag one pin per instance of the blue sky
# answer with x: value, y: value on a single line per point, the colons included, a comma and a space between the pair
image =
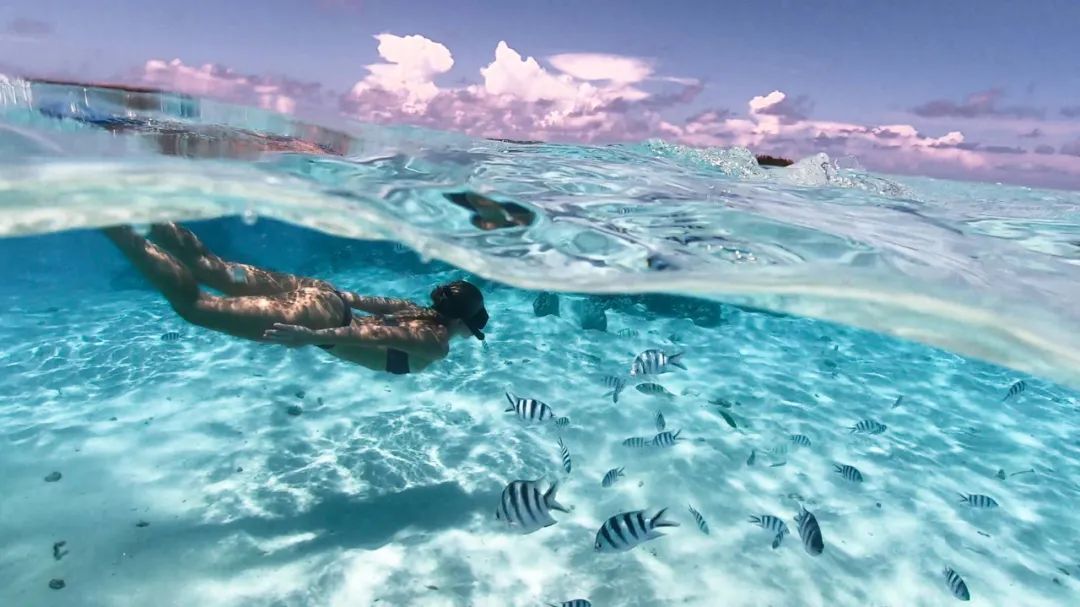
x: 864, y: 63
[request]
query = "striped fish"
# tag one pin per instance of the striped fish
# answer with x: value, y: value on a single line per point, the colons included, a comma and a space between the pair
x: 809, y: 531
x: 700, y: 520
x: 666, y: 439
x: 956, y: 584
x: 850, y: 473
x: 628, y: 529
x: 868, y: 426
x: 611, y: 477
x: 976, y: 500
x: 572, y: 603
x: 801, y: 440
x: 661, y: 423
x: 653, y: 389
x: 566, y: 464
x: 637, y: 442
x: 617, y: 385
x: 772, y: 523
x: 523, y: 508
x: 170, y: 336
x: 562, y: 422
x: 528, y: 409
x: 628, y: 333
x: 1015, y: 390
x: 655, y: 362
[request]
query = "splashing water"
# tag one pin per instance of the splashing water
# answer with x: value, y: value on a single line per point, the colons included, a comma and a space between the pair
x: 384, y: 489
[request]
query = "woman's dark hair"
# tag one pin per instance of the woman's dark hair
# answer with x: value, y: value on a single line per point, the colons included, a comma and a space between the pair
x: 463, y: 301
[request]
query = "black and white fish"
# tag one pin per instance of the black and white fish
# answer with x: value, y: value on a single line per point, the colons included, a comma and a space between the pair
x: 562, y: 422
x: 611, y: 477
x: 1015, y: 390
x: 809, y: 531
x: 525, y: 509
x: 617, y: 385
x: 661, y: 423
x: 772, y: 523
x: 666, y: 438
x: 628, y: 529
x: 566, y: 463
x: 170, y: 336
x: 654, y: 389
x: 572, y: 603
x: 655, y: 362
x: 801, y: 440
x: 700, y: 520
x: 956, y: 584
x: 868, y: 426
x: 850, y: 473
x: 637, y: 442
x: 753, y: 457
x: 628, y: 333
x: 976, y: 500
x: 529, y: 409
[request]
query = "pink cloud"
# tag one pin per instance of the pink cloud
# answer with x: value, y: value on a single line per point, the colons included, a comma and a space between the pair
x: 590, y: 97
x: 271, y: 93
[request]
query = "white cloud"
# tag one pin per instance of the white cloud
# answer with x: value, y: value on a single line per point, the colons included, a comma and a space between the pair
x: 412, y: 63
x: 599, y: 66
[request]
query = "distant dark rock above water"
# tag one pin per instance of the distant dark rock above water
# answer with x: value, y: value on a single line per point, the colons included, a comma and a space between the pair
x: 773, y: 161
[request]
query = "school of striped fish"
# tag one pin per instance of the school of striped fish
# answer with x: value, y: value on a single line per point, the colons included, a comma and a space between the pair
x: 524, y: 508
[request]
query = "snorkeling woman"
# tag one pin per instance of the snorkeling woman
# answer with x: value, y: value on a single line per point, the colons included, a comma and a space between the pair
x: 397, y: 336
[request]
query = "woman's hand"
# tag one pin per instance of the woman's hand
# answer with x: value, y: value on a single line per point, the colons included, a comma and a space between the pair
x: 290, y: 335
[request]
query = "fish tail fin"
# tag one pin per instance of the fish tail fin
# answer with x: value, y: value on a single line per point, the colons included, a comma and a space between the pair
x: 963, y: 498
x: 676, y: 435
x: 620, y: 471
x: 549, y: 498
x: 776, y: 540
x: 510, y: 399
x: 838, y: 467
x: 675, y: 360
x: 754, y: 519
x: 660, y: 521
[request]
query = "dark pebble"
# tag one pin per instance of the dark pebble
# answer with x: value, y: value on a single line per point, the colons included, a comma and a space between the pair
x: 300, y: 394
x: 294, y: 410
x: 53, y: 477
x: 239, y: 469
x: 56, y: 584
x: 142, y: 524
x: 878, y: 504
x: 112, y: 419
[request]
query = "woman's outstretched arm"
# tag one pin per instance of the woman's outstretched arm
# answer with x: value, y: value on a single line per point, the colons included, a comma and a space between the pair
x: 421, y: 339
x: 377, y: 305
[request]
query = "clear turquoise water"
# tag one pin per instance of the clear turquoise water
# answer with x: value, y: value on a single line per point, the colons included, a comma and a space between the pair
x: 383, y: 491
